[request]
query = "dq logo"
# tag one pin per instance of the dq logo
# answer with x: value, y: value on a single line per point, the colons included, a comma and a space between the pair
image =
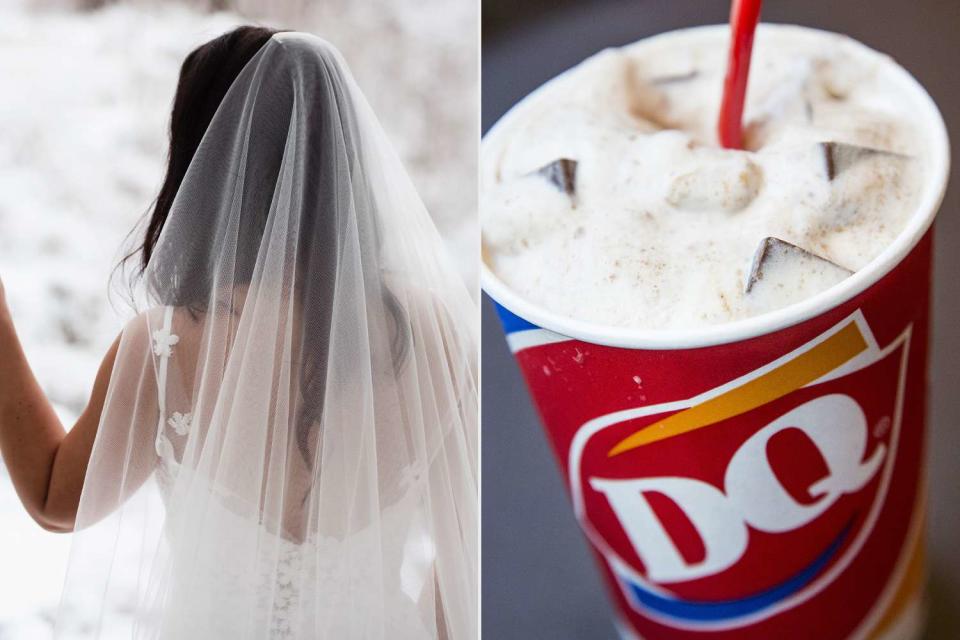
x: 754, y: 495
x: 749, y: 499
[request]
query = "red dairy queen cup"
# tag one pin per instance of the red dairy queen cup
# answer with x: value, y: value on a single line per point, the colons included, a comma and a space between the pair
x: 759, y: 479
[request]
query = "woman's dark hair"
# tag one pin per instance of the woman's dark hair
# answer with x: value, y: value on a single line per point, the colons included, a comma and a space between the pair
x: 181, y: 279
x: 205, y: 78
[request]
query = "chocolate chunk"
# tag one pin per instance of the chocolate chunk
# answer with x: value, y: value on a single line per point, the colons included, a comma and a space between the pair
x: 676, y: 78
x: 838, y: 156
x: 773, y: 249
x: 562, y: 174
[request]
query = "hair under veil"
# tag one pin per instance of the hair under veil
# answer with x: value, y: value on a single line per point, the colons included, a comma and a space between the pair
x: 288, y: 445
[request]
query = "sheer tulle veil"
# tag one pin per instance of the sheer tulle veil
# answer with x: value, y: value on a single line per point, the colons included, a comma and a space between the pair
x: 288, y: 445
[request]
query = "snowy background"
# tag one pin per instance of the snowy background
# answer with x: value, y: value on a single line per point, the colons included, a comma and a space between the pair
x: 83, y: 118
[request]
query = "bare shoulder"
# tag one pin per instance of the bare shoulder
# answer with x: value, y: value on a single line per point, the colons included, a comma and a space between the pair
x: 125, y: 363
x: 139, y: 330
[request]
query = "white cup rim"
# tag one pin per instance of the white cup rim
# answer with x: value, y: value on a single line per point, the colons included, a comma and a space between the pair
x: 668, y: 339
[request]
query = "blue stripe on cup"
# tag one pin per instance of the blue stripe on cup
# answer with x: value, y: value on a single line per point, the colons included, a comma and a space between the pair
x: 729, y: 610
x: 512, y: 322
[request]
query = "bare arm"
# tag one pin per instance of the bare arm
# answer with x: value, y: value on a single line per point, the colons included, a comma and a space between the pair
x: 47, y: 464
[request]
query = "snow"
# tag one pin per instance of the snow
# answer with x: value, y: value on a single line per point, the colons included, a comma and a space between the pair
x: 83, y: 117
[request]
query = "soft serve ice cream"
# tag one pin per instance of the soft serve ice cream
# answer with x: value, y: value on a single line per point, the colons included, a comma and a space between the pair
x: 605, y: 197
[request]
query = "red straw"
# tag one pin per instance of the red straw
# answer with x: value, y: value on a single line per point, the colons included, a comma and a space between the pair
x: 744, y: 15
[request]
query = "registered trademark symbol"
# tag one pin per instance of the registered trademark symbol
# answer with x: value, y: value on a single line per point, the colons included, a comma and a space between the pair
x: 882, y: 427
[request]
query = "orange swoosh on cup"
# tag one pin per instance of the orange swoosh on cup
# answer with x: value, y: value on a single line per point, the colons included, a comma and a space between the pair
x: 836, y: 350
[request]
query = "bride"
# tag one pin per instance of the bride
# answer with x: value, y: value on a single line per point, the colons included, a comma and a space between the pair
x: 282, y: 444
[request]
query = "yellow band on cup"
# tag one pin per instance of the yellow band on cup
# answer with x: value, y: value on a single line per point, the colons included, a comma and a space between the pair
x: 833, y: 352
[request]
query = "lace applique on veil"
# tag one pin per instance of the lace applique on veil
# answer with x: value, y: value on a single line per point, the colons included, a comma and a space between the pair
x: 163, y: 342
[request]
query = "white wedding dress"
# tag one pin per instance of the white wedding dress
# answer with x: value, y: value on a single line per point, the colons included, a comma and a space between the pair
x: 294, y: 585
x: 301, y: 387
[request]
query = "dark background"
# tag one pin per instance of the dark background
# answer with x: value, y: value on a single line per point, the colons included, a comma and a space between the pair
x: 538, y: 580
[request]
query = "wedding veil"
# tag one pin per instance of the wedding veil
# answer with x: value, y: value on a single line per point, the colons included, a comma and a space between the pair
x: 288, y: 444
